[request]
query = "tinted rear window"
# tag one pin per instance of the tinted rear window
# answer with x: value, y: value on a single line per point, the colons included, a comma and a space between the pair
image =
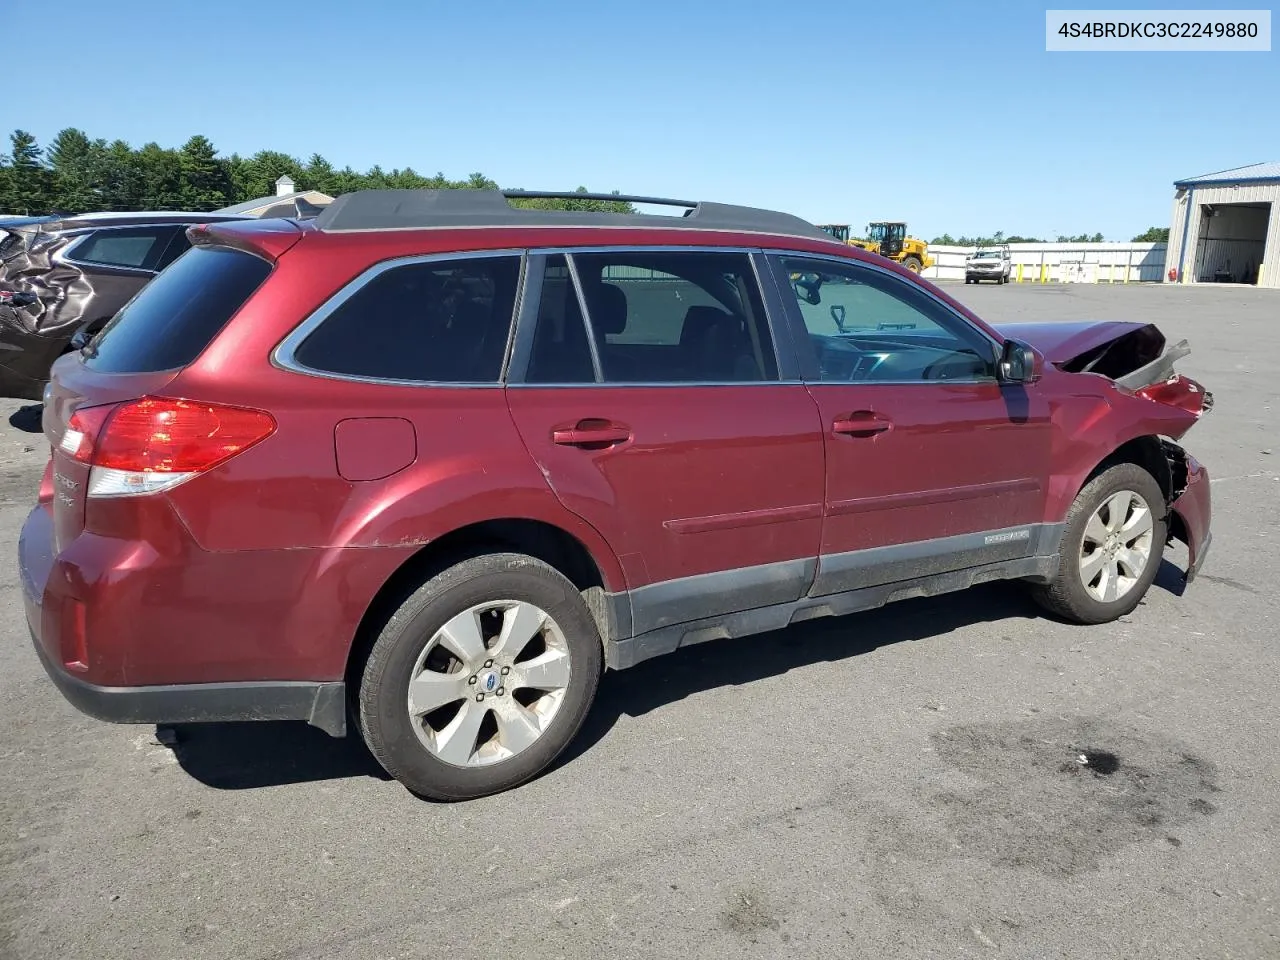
x: 178, y: 313
x: 139, y: 247
x: 440, y: 321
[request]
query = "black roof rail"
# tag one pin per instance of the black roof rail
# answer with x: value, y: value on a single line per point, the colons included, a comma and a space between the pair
x: 583, y: 195
x: 370, y: 210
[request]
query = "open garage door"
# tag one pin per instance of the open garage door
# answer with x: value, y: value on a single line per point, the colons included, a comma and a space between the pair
x: 1232, y: 241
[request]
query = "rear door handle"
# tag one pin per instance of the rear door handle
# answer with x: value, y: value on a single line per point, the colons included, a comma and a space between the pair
x: 591, y: 433
x: 861, y: 423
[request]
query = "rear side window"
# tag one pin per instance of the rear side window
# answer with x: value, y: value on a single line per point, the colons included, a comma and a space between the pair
x: 138, y: 248
x: 177, y: 314
x: 442, y: 321
x: 676, y: 317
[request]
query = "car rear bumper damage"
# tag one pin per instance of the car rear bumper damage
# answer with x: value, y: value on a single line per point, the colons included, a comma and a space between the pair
x: 320, y: 703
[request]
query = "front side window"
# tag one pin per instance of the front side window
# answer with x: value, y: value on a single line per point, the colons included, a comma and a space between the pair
x: 441, y: 321
x: 868, y: 325
x: 676, y: 317
x: 138, y: 248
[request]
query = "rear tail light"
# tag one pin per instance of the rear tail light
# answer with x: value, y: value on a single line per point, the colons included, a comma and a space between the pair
x: 152, y: 444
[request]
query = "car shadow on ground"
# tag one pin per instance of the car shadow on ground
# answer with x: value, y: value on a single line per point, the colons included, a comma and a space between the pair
x: 242, y: 756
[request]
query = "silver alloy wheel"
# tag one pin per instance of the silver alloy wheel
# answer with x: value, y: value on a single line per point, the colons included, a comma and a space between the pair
x: 488, y: 683
x: 1117, y: 546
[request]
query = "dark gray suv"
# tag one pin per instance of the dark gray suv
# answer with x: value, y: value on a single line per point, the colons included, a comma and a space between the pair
x: 62, y: 275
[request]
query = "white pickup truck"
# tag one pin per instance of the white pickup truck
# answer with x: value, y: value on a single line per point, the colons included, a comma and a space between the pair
x: 990, y: 263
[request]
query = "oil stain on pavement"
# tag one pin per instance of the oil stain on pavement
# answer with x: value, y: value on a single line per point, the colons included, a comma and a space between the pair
x: 1060, y: 796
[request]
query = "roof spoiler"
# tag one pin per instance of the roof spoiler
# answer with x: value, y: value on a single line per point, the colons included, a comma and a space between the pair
x: 262, y: 238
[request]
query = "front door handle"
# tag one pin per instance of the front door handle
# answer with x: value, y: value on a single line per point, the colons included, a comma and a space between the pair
x: 861, y: 423
x: 592, y: 434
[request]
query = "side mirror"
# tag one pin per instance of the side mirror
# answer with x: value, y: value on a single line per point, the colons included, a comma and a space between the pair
x: 1017, y: 362
x: 807, y: 286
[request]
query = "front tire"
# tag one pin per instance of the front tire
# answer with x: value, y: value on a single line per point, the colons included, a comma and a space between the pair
x: 913, y: 264
x: 1111, y: 547
x: 481, y: 678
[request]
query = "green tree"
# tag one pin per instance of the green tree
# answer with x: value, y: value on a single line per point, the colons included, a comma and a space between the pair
x: 570, y: 203
x: 121, y: 178
x: 257, y: 176
x: 27, y: 187
x: 77, y: 168
x: 319, y: 175
x: 160, y: 173
x: 205, y: 184
x: 1153, y: 235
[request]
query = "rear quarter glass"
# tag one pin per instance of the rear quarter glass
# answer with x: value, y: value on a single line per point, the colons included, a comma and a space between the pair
x: 175, y: 316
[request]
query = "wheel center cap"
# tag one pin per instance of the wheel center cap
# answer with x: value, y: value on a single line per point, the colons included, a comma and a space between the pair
x: 488, y: 681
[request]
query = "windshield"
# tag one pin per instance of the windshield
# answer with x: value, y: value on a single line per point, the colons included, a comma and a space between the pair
x: 886, y: 231
x: 987, y: 255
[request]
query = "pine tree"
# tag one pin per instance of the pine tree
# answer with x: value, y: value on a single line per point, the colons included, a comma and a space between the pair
x: 28, y: 191
x: 205, y: 185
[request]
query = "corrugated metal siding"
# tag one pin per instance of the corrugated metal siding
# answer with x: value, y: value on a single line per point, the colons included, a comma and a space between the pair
x: 1193, y: 226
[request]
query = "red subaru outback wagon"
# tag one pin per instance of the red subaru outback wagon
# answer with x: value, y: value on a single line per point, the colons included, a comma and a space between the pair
x: 430, y: 462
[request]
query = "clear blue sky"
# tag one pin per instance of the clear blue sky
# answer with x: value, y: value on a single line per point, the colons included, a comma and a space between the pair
x: 841, y: 111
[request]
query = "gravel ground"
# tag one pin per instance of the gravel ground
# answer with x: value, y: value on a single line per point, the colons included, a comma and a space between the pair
x: 901, y: 783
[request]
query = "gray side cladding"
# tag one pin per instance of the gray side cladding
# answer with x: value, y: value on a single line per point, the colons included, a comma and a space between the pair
x: 410, y: 209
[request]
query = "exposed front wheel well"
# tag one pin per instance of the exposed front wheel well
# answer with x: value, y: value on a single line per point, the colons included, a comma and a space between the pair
x: 536, y: 539
x: 1150, y: 453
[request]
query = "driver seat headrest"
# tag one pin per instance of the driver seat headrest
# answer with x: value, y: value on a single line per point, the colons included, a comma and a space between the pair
x: 608, y: 307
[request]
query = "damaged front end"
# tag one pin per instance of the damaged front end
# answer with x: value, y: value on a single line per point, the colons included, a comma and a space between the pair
x: 1190, y: 507
x: 1137, y: 359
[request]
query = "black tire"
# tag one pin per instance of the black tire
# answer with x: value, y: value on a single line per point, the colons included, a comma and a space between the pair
x: 1066, y: 595
x: 913, y: 264
x: 383, y: 695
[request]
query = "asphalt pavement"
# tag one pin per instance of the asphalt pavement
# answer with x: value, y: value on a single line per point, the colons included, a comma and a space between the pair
x: 900, y: 783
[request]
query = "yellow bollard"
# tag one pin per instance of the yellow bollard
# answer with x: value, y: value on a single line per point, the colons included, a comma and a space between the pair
x: 1044, y: 271
x: 1113, y: 272
x: 1019, y: 273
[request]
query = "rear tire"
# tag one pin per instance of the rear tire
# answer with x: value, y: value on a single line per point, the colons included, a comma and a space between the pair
x: 481, y: 678
x: 913, y: 264
x: 1111, y: 547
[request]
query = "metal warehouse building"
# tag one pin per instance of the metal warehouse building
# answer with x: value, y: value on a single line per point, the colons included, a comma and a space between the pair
x: 1226, y: 227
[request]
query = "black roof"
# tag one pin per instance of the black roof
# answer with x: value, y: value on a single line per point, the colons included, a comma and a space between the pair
x: 418, y: 209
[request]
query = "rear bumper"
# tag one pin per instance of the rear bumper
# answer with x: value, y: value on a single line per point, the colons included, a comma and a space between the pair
x: 320, y: 703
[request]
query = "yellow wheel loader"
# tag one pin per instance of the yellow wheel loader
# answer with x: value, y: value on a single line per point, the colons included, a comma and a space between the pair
x: 890, y: 240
